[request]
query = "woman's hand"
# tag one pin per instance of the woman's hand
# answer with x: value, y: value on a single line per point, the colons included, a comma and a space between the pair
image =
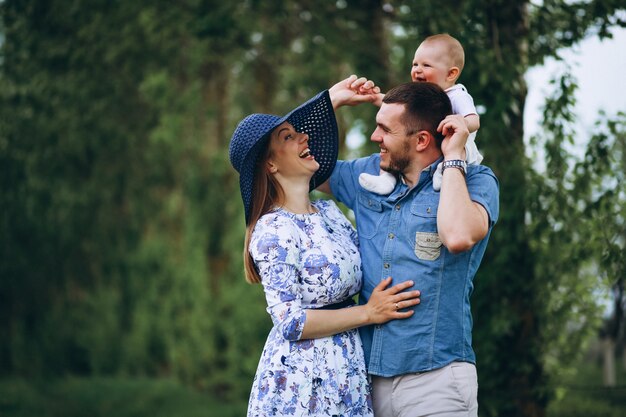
x: 386, y: 303
x: 352, y: 91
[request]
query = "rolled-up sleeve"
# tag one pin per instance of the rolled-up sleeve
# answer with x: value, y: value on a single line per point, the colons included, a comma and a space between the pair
x: 274, y: 249
x: 483, y: 188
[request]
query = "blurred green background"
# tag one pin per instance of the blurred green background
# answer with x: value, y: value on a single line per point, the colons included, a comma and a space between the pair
x: 121, y: 225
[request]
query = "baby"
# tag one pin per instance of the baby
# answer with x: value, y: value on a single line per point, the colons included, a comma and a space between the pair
x: 439, y: 59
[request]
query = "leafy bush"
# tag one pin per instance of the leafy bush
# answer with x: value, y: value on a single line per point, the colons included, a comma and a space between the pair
x: 108, y: 397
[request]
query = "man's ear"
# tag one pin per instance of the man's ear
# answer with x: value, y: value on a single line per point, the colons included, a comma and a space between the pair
x: 424, y: 139
x: 453, y: 74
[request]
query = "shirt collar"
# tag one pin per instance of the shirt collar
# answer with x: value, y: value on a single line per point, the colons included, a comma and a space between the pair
x: 431, y: 169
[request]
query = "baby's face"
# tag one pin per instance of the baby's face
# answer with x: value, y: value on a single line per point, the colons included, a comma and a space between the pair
x: 431, y: 64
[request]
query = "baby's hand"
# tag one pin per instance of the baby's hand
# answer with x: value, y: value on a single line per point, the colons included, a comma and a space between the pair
x: 379, y: 99
x: 353, y: 91
x: 364, y: 87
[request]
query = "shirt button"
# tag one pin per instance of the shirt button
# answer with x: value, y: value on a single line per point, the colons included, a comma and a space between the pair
x: 397, y: 206
x: 386, y: 266
x: 391, y: 236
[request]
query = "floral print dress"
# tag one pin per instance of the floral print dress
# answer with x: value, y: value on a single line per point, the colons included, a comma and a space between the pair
x: 307, y: 261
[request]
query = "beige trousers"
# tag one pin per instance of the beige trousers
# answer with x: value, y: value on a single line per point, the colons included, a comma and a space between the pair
x: 450, y: 391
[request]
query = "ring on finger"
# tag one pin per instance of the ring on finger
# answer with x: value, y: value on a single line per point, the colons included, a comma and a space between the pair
x: 397, y: 306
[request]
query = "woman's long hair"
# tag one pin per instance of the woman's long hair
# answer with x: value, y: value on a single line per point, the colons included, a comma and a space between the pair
x: 266, y: 191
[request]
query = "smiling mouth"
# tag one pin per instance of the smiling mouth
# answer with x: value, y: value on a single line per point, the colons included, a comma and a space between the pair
x: 305, y: 153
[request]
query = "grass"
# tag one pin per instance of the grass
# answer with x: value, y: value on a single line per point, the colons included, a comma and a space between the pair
x: 580, y: 395
x: 108, y: 397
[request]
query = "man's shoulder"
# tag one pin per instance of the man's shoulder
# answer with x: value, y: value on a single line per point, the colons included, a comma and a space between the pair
x: 479, y: 169
x: 375, y: 157
x: 481, y: 177
x: 363, y: 164
x: 344, y: 181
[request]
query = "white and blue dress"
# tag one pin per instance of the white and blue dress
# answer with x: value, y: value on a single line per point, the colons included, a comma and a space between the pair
x: 308, y: 261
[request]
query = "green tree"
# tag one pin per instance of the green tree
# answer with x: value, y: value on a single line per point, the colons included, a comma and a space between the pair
x: 121, y: 226
x: 117, y: 233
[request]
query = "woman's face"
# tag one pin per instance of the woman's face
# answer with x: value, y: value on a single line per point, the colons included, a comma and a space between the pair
x: 290, y: 156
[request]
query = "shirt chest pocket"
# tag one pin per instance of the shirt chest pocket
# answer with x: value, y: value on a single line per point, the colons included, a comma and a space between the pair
x: 370, y: 215
x: 427, y: 246
x: 426, y: 213
x: 427, y: 242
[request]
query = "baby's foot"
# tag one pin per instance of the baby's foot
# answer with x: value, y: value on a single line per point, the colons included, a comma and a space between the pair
x: 472, y: 153
x: 382, y: 184
x: 438, y: 177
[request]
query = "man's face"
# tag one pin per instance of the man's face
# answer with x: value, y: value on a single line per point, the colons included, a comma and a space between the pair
x: 396, y: 150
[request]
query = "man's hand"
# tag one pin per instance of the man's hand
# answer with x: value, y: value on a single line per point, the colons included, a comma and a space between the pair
x: 454, y: 129
x: 353, y: 91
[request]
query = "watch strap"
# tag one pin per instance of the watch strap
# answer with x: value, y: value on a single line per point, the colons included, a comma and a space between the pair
x: 459, y: 164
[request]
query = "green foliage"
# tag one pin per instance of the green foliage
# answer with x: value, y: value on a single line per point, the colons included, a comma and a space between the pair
x: 601, y: 182
x: 561, y: 233
x: 119, y: 243
x: 558, y: 24
x: 581, y: 393
x: 108, y: 397
x: 599, y: 402
x: 121, y: 225
x: 578, y: 224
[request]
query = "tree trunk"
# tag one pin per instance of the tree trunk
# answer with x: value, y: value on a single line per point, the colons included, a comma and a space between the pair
x: 608, y: 360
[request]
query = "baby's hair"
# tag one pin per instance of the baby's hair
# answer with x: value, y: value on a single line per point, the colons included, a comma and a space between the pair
x: 453, y: 46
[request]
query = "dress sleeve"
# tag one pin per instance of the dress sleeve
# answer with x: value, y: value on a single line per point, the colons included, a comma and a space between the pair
x: 275, y: 250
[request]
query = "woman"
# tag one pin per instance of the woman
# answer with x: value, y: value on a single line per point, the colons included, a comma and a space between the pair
x: 306, y: 256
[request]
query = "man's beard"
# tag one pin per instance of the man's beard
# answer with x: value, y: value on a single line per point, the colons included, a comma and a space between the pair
x: 399, y: 162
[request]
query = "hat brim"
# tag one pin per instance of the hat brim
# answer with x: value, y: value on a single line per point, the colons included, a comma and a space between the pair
x: 316, y: 118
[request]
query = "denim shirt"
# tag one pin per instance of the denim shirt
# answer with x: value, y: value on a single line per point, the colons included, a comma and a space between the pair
x: 398, y: 238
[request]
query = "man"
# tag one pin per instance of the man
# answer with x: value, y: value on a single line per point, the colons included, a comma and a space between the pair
x: 424, y: 365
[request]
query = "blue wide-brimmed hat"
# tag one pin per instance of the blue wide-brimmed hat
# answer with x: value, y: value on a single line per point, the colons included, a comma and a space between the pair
x: 316, y: 118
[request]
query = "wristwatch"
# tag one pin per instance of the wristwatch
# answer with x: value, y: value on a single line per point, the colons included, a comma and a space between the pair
x: 455, y: 163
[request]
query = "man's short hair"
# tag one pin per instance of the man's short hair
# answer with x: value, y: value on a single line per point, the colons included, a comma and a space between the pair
x: 425, y: 106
